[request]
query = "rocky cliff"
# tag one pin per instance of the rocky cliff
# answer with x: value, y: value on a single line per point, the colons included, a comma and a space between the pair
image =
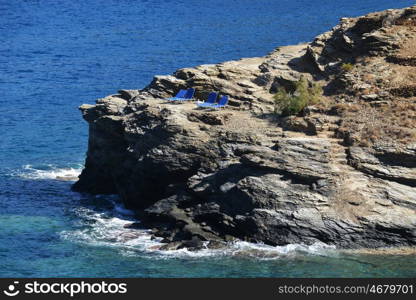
x: 342, y: 172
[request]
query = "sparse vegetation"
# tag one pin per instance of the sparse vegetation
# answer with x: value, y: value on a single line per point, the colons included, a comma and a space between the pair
x: 304, y: 94
x: 392, y: 123
x: 346, y: 67
x: 406, y: 91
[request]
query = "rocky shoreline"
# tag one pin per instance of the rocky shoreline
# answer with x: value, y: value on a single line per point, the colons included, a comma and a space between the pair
x: 343, y: 172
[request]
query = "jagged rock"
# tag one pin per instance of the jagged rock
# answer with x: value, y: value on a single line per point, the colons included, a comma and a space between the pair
x: 250, y: 82
x: 201, y: 178
x: 370, y: 97
x: 354, y: 37
x: 129, y: 94
x: 391, y: 165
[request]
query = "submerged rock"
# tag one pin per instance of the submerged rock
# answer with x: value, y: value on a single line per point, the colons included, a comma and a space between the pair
x: 201, y: 178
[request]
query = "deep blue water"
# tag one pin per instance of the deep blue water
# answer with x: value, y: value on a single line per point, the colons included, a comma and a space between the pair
x: 56, y: 55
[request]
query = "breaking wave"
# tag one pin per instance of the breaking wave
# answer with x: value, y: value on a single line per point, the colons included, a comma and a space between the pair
x: 49, y: 172
x: 108, y: 228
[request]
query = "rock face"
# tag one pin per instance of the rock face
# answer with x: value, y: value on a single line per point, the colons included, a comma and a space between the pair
x: 199, y: 175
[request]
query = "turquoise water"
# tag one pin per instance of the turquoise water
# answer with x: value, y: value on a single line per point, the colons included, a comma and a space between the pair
x: 56, y: 55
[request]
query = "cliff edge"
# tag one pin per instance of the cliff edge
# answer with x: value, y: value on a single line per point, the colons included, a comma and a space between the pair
x: 342, y: 172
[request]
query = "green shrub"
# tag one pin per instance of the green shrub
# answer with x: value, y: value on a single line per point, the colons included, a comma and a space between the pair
x: 304, y: 94
x: 347, y: 67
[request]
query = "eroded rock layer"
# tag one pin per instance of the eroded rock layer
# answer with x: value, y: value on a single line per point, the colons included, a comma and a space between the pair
x: 343, y: 172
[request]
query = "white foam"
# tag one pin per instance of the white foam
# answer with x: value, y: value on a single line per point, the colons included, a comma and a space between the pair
x: 108, y: 229
x: 269, y: 252
x: 50, y: 172
x: 254, y: 250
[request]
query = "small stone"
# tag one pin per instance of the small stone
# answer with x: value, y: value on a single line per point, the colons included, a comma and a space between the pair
x: 370, y: 97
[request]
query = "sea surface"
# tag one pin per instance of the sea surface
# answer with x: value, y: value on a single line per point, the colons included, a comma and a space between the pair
x: 56, y: 55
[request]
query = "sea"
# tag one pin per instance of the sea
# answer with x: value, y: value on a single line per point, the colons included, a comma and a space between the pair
x: 58, y: 54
